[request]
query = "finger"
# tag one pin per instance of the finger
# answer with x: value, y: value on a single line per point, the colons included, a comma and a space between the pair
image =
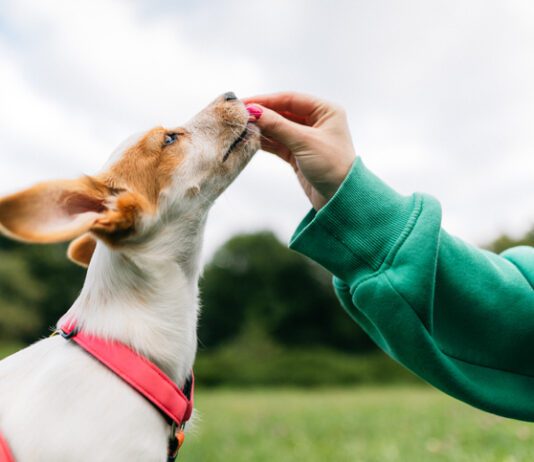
x: 274, y: 147
x: 280, y: 129
x: 295, y: 118
x: 296, y: 103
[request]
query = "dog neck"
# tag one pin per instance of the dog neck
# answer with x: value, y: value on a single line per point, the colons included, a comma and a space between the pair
x: 147, y: 296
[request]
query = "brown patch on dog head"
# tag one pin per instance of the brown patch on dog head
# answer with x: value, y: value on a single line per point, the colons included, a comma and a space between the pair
x: 148, y: 167
x: 110, y: 206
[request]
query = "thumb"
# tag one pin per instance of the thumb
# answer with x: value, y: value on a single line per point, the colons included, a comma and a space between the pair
x: 278, y: 128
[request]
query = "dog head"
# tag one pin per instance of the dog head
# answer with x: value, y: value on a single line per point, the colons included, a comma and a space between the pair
x: 162, y: 175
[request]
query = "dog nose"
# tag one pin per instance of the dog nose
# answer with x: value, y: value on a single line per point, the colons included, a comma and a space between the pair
x: 230, y: 96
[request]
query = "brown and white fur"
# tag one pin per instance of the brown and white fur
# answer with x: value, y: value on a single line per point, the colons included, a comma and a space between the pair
x: 138, y: 226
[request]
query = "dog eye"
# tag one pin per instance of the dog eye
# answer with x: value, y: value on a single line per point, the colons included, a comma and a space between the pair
x: 170, y: 138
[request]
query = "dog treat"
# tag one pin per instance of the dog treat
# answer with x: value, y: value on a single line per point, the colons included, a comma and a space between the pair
x: 255, y: 112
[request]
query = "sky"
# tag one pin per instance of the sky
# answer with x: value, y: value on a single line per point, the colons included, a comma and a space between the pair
x: 439, y: 94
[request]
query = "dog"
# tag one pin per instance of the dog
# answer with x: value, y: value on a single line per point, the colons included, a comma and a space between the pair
x: 138, y: 227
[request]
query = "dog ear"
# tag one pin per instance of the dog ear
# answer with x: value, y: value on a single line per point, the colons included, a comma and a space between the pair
x: 59, y: 211
x: 81, y: 250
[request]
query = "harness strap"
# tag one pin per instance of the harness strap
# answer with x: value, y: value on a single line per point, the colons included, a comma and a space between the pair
x: 5, y: 452
x: 143, y: 376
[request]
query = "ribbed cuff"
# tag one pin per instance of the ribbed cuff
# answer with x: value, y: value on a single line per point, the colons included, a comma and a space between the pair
x: 354, y: 232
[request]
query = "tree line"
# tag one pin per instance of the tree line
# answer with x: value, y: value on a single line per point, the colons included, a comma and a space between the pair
x: 252, y: 281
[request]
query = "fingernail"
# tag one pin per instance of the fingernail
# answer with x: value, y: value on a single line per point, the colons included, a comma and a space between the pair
x: 255, y: 112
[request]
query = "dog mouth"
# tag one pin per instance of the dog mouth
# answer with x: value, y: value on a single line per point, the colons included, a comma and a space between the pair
x: 237, y: 142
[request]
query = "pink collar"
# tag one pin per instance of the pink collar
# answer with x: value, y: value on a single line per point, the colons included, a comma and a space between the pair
x: 143, y: 376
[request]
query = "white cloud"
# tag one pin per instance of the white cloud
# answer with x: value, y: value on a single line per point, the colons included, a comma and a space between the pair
x: 38, y: 136
x: 440, y: 94
x: 108, y: 58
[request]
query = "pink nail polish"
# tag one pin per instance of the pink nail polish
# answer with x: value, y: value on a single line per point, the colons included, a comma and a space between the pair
x: 255, y: 112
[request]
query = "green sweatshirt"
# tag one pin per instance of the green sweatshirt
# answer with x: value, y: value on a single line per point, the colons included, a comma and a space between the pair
x: 460, y: 317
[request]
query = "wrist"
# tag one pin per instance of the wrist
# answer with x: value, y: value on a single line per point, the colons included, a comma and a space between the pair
x: 336, y: 178
x: 365, y: 217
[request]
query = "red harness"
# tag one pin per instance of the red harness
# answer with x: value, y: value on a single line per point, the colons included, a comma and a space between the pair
x: 143, y: 376
x: 5, y: 453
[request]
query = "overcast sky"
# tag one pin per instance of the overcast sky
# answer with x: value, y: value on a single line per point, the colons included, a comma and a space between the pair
x: 440, y: 94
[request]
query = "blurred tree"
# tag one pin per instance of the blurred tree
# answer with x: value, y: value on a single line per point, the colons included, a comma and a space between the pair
x: 254, y: 280
x: 22, y: 295
x: 505, y: 242
x: 37, y: 285
x: 253, y: 283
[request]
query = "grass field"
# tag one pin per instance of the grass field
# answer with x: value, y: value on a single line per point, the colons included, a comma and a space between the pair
x: 360, y: 424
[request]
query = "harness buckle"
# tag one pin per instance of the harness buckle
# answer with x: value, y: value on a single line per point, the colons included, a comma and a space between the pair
x: 68, y: 335
x: 176, y: 441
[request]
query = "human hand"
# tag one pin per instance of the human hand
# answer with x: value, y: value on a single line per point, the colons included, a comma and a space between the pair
x: 310, y: 134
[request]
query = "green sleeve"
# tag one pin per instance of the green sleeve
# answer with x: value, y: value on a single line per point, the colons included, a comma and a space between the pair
x: 460, y: 317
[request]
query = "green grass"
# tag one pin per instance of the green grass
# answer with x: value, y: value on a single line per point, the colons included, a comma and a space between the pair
x: 358, y: 424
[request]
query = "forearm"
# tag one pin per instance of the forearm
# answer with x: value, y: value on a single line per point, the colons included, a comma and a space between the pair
x: 460, y: 317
